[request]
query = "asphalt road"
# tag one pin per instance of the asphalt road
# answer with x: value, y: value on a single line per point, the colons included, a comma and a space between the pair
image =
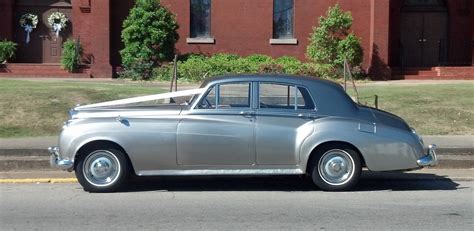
x: 283, y: 203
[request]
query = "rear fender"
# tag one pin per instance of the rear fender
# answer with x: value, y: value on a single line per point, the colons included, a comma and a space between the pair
x: 382, y: 148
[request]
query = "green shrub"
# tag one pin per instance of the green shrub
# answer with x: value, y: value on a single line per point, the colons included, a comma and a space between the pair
x: 254, y: 62
x: 140, y: 71
x: 164, y: 72
x: 71, y: 55
x: 351, y: 49
x: 331, y: 41
x: 194, y: 67
x: 7, y: 50
x: 289, y: 64
x: 272, y: 68
x: 223, y: 63
x: 324, y: 71
x: 259, y: 59
x: 149, y: 35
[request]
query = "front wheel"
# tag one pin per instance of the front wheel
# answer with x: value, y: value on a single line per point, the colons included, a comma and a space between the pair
x: 102, y: 170
x: 336, y: 168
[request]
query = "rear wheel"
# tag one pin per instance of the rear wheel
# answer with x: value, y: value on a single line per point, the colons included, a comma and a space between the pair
x: 336, y: 168
x: 102, y: 170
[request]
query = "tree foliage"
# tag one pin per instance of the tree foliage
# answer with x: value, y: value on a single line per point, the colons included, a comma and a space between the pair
x: 149, y: 35
x: 331, y: 41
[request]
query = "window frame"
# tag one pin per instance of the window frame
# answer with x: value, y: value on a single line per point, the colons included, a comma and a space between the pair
x: 216, y: 86
x: 295, y: 100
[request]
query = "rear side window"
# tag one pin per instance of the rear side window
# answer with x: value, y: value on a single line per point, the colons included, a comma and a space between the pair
x: 282, y: 96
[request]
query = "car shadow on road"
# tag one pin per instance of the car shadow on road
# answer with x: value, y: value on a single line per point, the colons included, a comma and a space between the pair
x: 394, y: 181
x: 404, y: 181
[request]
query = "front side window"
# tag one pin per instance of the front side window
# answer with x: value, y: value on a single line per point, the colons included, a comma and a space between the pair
x: 281, y: 96
x: 200, y: 18
x: 233, y: 95
x: 283, y: 19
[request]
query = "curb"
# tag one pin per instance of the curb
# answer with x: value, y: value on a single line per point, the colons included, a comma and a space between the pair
x: 39, y: 159
x: 445, y: 162
x: 30, y: 163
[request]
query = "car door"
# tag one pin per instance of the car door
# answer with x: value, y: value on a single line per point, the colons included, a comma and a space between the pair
x: 220, y: 130
x: 284, y: 118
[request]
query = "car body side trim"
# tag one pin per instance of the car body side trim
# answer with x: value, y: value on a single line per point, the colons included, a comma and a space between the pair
x: 208, y: 172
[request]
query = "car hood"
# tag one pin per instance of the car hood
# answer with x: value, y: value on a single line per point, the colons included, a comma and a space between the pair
x: 386, y: 118
x: 126, y: 111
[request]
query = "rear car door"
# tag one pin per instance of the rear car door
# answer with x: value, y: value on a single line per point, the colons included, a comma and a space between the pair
x: 284, y: 118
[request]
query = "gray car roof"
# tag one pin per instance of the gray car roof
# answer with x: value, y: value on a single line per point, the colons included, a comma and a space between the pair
x: 294, y: 79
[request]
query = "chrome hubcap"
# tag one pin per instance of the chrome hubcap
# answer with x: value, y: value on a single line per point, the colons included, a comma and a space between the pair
x: 336, y: 167
x: 101, y: 168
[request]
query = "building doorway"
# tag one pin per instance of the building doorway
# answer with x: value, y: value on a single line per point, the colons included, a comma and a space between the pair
x: 423, y: 32
x: 43, y: 46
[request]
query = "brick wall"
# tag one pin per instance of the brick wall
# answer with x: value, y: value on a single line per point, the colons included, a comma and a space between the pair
x: 245, y: 26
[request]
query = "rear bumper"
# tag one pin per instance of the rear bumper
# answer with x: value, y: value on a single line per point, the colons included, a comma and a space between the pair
x: 57, y: 162
x: 430, y: 158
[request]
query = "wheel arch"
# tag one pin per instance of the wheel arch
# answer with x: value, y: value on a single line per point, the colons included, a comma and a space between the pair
x: 314, y: 152
x: 100, y: 143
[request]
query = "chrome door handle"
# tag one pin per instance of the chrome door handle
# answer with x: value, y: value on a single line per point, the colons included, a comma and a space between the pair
x: 121, y: 119
x: 306, y: 116
x: 247, y: 113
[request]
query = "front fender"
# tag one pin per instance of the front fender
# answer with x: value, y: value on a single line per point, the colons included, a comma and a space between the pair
x: 149, y: 143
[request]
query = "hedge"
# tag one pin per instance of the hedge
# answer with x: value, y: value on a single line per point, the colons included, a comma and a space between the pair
x: 195, y: 67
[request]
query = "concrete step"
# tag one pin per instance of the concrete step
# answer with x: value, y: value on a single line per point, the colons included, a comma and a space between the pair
x: 41, y: 70
x: 418, y: 72
x: 434, y: 73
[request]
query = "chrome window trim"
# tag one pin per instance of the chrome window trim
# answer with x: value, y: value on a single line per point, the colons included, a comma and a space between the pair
x: 255, y: 96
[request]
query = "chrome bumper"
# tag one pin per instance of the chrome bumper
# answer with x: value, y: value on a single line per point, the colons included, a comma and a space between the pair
x: 57, y: 162
x: 430, y: 158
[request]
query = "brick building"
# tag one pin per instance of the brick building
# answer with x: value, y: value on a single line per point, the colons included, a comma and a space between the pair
x: 400, y: 38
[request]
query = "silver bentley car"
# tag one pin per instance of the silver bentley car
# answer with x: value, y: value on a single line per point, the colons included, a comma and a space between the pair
x: 238, y: 125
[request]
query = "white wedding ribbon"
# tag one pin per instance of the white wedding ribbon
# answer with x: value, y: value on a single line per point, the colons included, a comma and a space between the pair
x: 28, y: 30
x: 144, y: 98
x: 57, y: 28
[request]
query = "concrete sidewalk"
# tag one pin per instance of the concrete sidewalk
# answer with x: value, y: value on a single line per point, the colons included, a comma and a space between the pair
x: 26, y: 154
